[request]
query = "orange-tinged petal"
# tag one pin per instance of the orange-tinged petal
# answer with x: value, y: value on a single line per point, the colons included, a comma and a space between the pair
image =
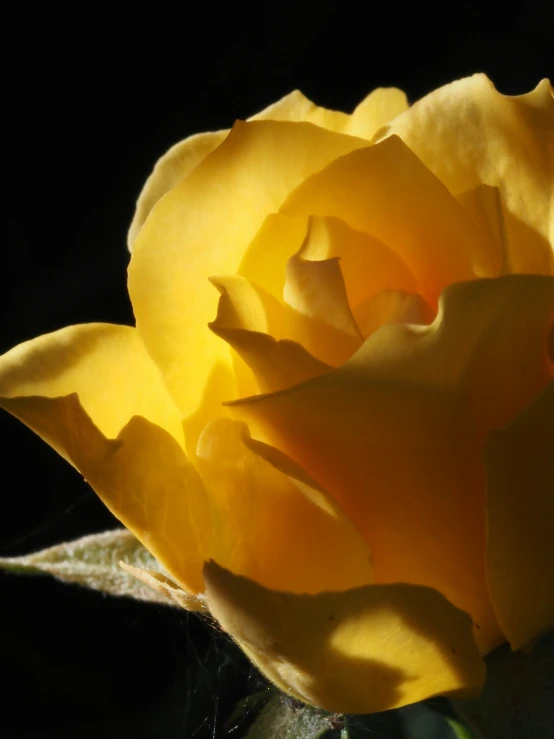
x: 105, y: 364
x: 387, y: 192
x: 391, y: 306
x: 469, y: 134
x: 395, y: 434
x: 520, y: 501
x: 358, y: 651
x: 274, y: 528
x: 202, y: 227
x: 368, y: 266
x: 143, y: 476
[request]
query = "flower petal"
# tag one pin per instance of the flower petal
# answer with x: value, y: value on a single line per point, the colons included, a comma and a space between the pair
x: 396, y: 433
x: 368, y: 266
x: 384, y: 190
x: 143, y: 477
x: 520, y: 499
x: 178, y: 162
x: 484, y: 205
x: 316, y: 288
x: 391, y: 306
x: 276, y: 365
x: 245, y: 308
x: 93, y: 393
x: 357, y: 651
x: 376, y: 110
x: 266, y: 257
x: 198, y: 230
x: 105, y: 364
x: 170, y: 169
x: 274, y: 528
x: 498, y: 140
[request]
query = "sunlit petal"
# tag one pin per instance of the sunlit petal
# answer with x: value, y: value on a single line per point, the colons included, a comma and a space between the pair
x: 357, y: 651
x: 387, y: 192
x: 469, y: 134
x: 198, y: 230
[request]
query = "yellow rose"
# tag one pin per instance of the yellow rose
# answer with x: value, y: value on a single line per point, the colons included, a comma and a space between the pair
x: 339, y: 391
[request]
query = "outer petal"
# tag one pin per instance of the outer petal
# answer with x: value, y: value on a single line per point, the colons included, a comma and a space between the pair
x: 384, y: 190
x: 202, y: 227
x: 279, y: 530
x: 357, y: 651
x: 176, y: 164
x: 179, y: 161
x: 520, y: 497
x: 469, y: 134
x: 143, y: 476
x: 375, y: 111
x: 107, y: 365
x: 396, y: 433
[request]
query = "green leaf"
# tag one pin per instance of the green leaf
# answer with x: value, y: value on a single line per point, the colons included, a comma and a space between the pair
x: 285, y: 718
x: 417, y: 721
x: 93, y: 561
x: 460, y: 731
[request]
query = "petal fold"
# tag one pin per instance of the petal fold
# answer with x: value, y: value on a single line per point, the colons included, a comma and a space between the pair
x: 105, y: 364
x: 93, y: 393
x: 316, y: 288
x: 396, y: 433
x: 198, y: 230
x: 358, y: 651
x: 497, y: 140
x: 143, y: 476
x: 385, y: 190
x: 367, y: 265
x: 391, y: 306
x: 375, y: 111
x: 274, y: 528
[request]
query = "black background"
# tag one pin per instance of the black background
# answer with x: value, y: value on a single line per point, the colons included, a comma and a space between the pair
x: 89, y: 107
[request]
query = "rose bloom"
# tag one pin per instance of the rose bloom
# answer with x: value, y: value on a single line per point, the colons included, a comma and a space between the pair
x: 334, y: 421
